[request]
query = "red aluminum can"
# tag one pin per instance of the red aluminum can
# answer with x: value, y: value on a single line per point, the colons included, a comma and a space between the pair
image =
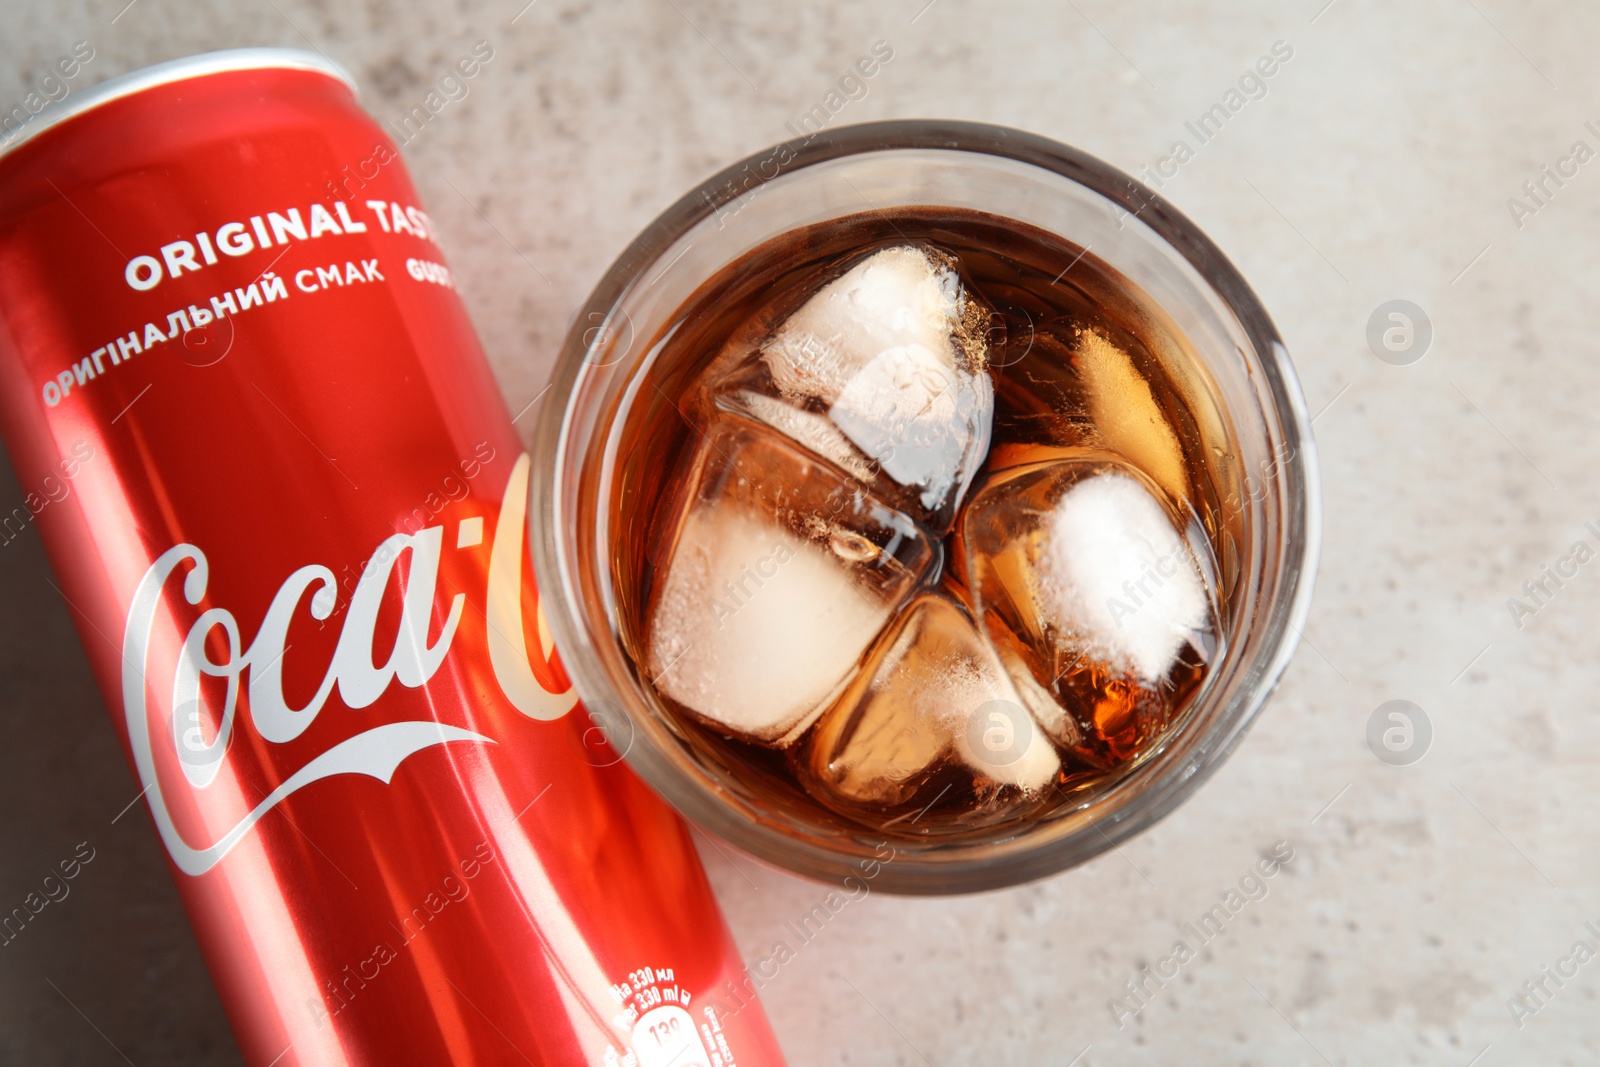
x: 292, y: 534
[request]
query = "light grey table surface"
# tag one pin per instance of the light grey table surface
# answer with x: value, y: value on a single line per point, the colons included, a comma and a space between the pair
x: 1379, y: 165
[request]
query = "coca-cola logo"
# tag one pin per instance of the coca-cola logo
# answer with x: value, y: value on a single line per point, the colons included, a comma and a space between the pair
x: 200, y: 735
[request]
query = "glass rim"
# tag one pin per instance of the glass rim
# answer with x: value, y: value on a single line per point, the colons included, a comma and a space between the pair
x: 1299, y: 542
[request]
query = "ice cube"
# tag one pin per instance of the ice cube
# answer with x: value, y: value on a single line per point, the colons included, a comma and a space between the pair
x: 892, y: 354
x: 1041, y: 703
x: 895, y: 297
x: 811, y: 431
x: 931, y: 692
x: 1093, y: 595
x: 1084, y: 387
x: 925, y: 422
x: 1116, y: 567
x: 778, y: 575
x: 1082, y: 559
x: 1124, y: 412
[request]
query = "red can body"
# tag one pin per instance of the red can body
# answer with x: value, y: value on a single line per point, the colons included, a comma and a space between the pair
x: 287, y: 506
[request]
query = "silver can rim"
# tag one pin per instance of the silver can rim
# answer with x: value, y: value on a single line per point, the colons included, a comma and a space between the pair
x: 185, y: 68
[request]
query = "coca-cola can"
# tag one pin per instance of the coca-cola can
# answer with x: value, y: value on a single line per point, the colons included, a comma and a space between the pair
x: 295, y: 550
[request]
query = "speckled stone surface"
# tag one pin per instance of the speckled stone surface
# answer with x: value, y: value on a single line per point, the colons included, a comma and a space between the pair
x: 1377, y: 166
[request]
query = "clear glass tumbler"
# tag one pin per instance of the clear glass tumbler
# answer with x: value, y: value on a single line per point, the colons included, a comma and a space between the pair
x: 1270, y: 544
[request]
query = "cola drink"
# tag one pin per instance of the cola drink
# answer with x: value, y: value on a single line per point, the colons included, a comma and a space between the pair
x: 939, y: 553
x: 295, y: 550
